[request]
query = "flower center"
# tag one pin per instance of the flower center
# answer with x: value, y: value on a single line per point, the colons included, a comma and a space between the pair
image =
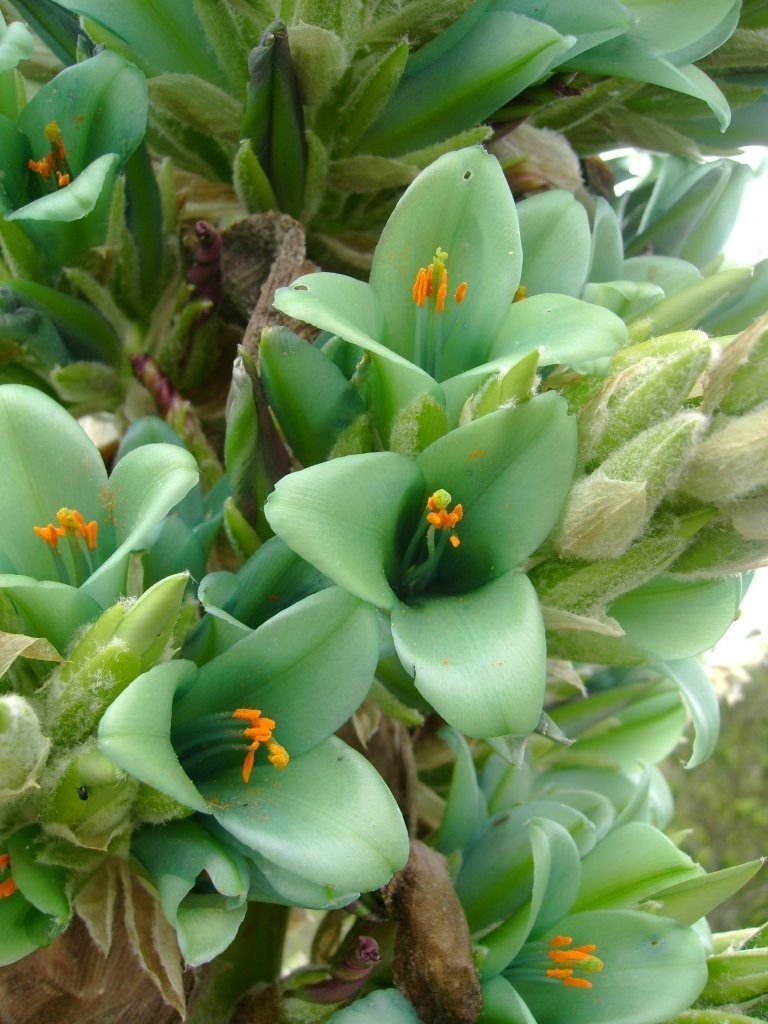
x: 53, y: 166
x: 81, y: 540
x: 218, y: 734
x: 440, y: 520
x: 430, y: 293
x: 7, y: 886
x: 569, y: 960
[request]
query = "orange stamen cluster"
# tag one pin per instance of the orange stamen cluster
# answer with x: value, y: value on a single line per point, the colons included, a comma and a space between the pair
x: 69, y: 519
x: 433, y: 280
x: 54, y: 163
x: 439, y: 516
x: 569, y: 959
x: 259, y: 730
x: 7, y: 886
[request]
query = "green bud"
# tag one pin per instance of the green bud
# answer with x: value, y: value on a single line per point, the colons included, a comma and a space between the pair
x: 644, y: 394
x: 88, y: 813
x: 732, y: 462
x: 659, y: 347
x: 23, y: 747
x: 736, y: 976
x: 587, y: 587
x: 750, y: 517
x: 153, y: 807
x: 417, y: 425
x: 720, y: 551
x: 739, y: 379
x: 688, y: 307
x: 507, y: 387
x: 148, y: 624
x: 610, y: 508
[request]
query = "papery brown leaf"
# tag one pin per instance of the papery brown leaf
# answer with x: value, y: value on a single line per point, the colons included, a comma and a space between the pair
x: 433, y: 963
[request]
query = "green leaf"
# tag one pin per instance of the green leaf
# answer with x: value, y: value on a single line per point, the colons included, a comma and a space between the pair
x: 43, y: 885
x: 479, y: 657
x: 143, y: 488
x: 368, y: 98
x: 100, y: 106
x: 461, y: 77
x: 134, y: 732
x: 308, y: 668
x: 511, y: 471
x: 175, y: 854
x: 607, y: 251
x: 312, y: 399
x: 689, y: 306
x: 654, y: 969
x: 86, y: 333
x: 387, y: 1006
x: 703, y: 707
x: 197, y: 103
x: 327, y: 817
x: 556, y: 243
x: 251, y: 184
x: 461, y: 203
x: 356, y: 503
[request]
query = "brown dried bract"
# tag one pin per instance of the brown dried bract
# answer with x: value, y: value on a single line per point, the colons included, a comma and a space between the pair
x: 433, y: 963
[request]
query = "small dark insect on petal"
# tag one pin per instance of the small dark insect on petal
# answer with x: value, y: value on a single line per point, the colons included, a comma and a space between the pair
x: 82, y: 792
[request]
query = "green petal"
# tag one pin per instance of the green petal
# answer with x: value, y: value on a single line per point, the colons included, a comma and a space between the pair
x: 143, y: 488
x: 478, y: 658
x: 668, y: 272
x: 43, y: 885
x: 175, y: 855
x: 630, y: 865
x: 135, y: 732
x: 511, y: 470
x: 654, y: 969
x: 23, y: 929
x: 701, y: 700
x: 48, y: 462
x: 308, y: 668
x: 674, y: 619
x: 689, y: 901
x: 465, y: 805
x: 16, y: 44
x: 552, y: 886
x: 76, y: 200
x: 387, y: 1006
x: 351, y: 310
x: 556, y: 241
x: 327, y: 817
x: 502, y: 1005
x: 565, y: 330
x: 461, y: 203
x: 342, y: 517
x: 100, y: 105
x: 51, y: 610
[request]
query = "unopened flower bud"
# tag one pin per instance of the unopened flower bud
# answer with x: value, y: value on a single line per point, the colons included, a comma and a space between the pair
x: 739, y: 379
x: 147, y: 625
x: 732, y: 462
x: 23, y: 747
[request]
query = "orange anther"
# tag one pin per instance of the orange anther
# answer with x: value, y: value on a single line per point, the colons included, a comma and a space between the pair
x: 5, y: 860
x: 246, y: 714
x: 461, y: 292
x: 577, y: 982
x: 442, y: 291
x: 7, y: 888
x: 559, y: 972
x: 434, y: 519
x: 561, y: 940
x: 277, y: 756
x: 458, y: 511
x: 62, y: 179
x: 42, y: 167
x: 520, y: 294
x: 587, y: 949
x: 92, y: 535
x: 248, y: 764
x: 50, y: 534
x: 454, y: 541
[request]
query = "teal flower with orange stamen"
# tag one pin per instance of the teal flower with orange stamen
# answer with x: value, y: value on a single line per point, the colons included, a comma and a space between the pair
x: 67, y: 528
x: 61, y: 158
x: 247, y: 741
x: 438, y: 318
x: 439, y: 542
